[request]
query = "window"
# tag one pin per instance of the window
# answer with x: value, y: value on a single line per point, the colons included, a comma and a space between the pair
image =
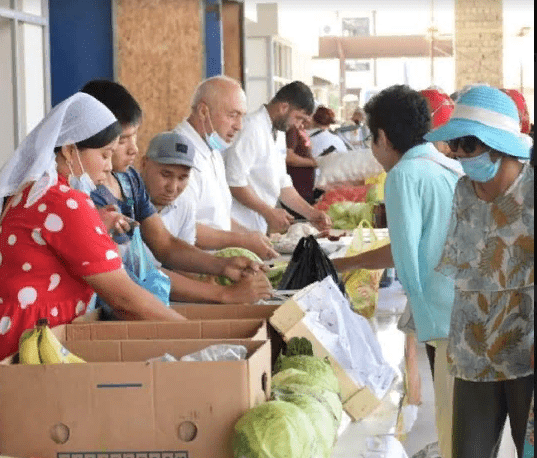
x: 24, y: 70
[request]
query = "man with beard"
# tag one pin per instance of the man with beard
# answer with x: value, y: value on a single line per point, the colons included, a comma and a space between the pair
x: 255, y: 168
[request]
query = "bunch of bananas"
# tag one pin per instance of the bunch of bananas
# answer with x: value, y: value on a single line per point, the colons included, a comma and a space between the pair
x: 40, y: 346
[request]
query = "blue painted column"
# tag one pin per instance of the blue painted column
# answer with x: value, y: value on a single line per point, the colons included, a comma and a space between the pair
x: 214, y: 64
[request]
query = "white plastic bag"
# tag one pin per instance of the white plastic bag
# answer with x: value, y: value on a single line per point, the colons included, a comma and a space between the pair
x: 222, y: 352
x: 346, y: 335
x: 356, y: 165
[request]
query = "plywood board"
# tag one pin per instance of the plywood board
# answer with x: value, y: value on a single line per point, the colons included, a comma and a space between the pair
x: 159, y: 59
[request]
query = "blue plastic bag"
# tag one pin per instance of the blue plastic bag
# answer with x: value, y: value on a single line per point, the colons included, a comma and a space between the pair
x: 142, y: 270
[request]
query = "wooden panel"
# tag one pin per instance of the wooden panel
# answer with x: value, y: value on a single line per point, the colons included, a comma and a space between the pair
x: 232, y: 23
x: 159, y: 59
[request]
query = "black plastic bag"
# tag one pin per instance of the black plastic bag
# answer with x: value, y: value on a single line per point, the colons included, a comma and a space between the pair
x: 308, y: 264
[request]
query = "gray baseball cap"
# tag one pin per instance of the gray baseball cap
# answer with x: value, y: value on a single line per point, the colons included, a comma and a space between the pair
x: 171, y: 148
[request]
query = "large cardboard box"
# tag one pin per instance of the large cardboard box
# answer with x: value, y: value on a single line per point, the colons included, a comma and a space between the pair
x: 224, y: 311
x: 235, y: 311
x: 117, y: 405
x: 255, y: 329
x: 358, y: 401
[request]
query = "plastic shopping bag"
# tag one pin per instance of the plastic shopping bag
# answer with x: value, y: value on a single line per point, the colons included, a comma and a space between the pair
x: 142, y: 270
x: 362, y: 285
x: 308, y: 264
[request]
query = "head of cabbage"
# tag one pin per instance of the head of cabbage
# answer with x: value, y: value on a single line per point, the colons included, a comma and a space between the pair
x: 275, y: 429
x: 231, y: 252
x: 318, y: 371
x: 318, y: 411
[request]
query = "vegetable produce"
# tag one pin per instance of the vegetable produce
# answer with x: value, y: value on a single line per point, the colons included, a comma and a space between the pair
x: 347, y: 215
x: 299, y: 346
x: 315, y: 375
x: 234, y: 251
x: 331, y: 400
x: 275, y: 273
x: 318, y: 412
x: 342, y: 194
x: 275, y: 429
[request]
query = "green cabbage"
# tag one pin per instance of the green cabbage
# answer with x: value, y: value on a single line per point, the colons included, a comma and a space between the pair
x: 275, y: 273
x: 275, y: 429
x: 331, y: 400
x: 318, y: 411
x: 234, y: 251
x: 347, y: 215
x: 318, y: 371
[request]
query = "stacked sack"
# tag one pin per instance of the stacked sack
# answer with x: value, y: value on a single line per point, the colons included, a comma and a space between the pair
x: 303, y: 416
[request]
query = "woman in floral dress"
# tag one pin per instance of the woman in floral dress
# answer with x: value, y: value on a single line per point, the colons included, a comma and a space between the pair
x: 489, y: 252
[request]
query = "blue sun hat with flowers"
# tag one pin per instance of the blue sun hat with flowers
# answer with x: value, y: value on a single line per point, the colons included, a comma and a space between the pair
x: 488, y: 114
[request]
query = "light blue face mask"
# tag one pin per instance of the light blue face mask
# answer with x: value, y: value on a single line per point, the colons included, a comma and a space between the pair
x: 83, y: 183
x: 214, y: 140
x: 480, y: 168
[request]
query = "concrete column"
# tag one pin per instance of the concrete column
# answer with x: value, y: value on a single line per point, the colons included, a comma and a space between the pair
x: 478, y: 42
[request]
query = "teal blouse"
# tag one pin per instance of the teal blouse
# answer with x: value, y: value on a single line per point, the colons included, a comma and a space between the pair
x: 419, y: 197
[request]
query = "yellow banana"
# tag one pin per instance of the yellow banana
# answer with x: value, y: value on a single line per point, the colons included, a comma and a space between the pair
x: 28, y: 347
x: 51, y: 351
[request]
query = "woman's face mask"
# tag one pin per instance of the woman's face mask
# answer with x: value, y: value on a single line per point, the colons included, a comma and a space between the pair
x: 83, y: 183
x: 480, y: 168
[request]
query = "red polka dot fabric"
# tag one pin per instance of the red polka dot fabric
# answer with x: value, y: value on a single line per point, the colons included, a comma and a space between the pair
x: 45, y: 250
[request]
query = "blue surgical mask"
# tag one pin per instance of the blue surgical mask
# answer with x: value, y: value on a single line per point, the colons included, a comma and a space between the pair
x: 480, y: 168
x: 216, y: 142
x: 83, y: 183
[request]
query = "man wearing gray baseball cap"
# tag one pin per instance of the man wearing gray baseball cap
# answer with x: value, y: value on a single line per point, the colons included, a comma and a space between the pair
x: 166, y: 170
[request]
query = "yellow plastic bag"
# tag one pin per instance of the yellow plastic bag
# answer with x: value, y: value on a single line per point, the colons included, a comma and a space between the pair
x: 362, y: 285
x: 378, y: 181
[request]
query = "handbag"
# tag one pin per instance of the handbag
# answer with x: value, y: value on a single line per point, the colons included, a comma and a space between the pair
x: 362, y: 285
x: 308, y: 264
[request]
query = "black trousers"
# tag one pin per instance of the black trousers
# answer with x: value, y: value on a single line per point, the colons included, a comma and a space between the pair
x: 431, y: 352
x: 479, y: 413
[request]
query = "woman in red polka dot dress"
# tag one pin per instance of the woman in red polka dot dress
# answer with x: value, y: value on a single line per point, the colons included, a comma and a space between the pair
x: 55, y: 250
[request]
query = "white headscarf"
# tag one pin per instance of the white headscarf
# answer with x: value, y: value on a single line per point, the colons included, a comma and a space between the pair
x: 75, y: 119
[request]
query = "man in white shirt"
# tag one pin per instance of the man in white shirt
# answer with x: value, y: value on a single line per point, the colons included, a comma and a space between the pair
x: 255, y: 168
x: 217, y: 108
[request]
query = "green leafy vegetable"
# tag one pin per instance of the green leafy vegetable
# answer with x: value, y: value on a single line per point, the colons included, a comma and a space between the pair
x: 275, y: 429
x: 275, y: 273
x: 306, y: 370
x: 347, y: 215
x: 234, y: 251
x: 319, y: 413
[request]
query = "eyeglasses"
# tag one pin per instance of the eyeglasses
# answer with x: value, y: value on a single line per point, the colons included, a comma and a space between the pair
x: 367, y: 141
x: 468, y: 144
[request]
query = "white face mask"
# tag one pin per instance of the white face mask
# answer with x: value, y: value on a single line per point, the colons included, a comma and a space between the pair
x: 83, y: 183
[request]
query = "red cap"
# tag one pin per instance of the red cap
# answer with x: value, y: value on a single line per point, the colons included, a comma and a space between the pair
x: 523, y: 112
x: 440, y: 105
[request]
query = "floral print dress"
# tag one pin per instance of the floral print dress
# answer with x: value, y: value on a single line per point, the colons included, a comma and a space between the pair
x: 489, y: 252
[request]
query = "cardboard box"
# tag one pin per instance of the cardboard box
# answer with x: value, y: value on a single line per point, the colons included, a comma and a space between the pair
x: 119, y: 406
x: 358, y: 401
x: 255, y: 329
x: 223, y: 311
x: 234, y: 311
